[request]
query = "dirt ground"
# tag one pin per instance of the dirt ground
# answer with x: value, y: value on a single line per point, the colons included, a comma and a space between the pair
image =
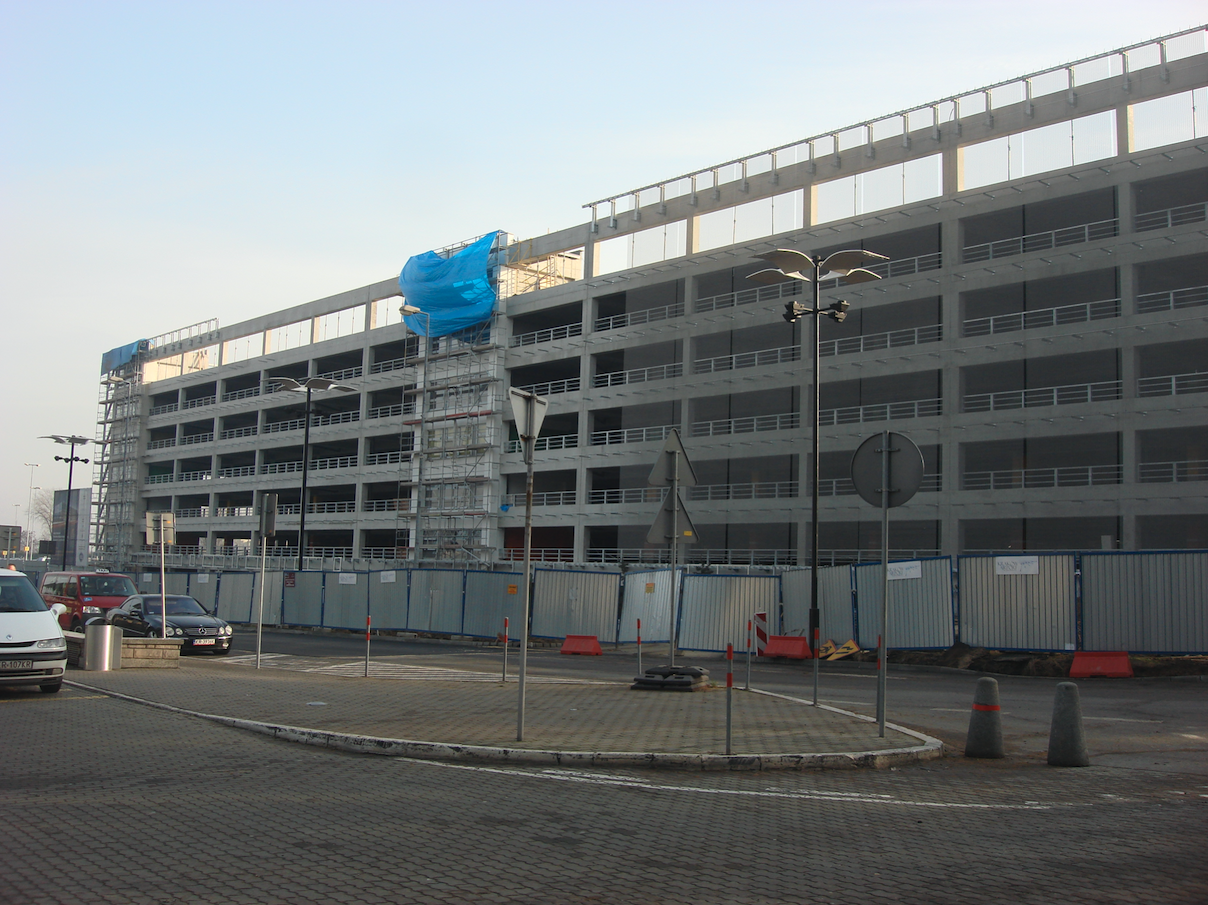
x: 1037, y: 663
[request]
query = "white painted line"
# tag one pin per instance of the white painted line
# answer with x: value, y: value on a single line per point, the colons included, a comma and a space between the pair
x: 1118, y: 719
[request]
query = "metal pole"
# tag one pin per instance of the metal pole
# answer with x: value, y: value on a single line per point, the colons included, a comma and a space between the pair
x: 640, y: 647
x: 729, y: 697
x: 882, y: 641
x: 163, y: 578
x: 67, y: 507
x: 529, y: 442
x: 814, y: 472
x: 260, y: 611
x: 505, y: 648
x: 674, y: 545
x: 425, y: 346
x: 305, y: 468
x: 748, y: 655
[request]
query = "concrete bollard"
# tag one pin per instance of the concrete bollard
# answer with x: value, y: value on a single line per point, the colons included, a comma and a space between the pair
x: 985, y: 722
x: 1067, y: 747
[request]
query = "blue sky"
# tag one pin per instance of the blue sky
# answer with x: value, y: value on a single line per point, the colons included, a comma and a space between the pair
x: 165, y: 163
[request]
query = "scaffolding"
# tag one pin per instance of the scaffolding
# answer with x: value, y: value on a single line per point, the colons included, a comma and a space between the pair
x: 116, y: 465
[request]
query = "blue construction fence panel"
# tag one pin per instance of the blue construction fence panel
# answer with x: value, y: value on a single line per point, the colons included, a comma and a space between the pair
x: 576, y: 602
x: 647, y: 596
x: 716, y: 609
x: 1154, y: 603
x: 921, y: 609
x: 1021, y: 602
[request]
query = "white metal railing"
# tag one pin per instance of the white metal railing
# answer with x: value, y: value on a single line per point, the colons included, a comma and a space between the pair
x: 329, y: 508
x: 195, y: 512
x: 235, y: 432
x: 631, y: 435
x: 388, y: 458
x: 1174, y: 216
x: 333, y: 462
x: 336, y: 418
x: 239, y: 471
x: 537, y: 554
x: 747, y: 296
x: 548, y: 498
x: 280, y: 467
x: 619, y: 495
x: 386, y: 554
x: 875, y: 342
x: 898, y: 268
x: 289, y: 508
x: 846, y: 487
x: 752, y: 425
x: 194, y: 476
x: 158, y: 479
x: 164, y: 409
x: 394, y: 364
x: 1173, y: 384
x: 1026, y: 478
x: 1043, y: 317
x: 1187, y: 470
x: 1104, y: 391
x: 162, y: 444
x: 200, y: 402
x: 550, y: 387
x: 275, y: 427
x: 636, y: 318
x: 555, y: 441
x: 1054, y: 238
x: 342, y: 374
x: 191, y: 439
x: 236, y: 512
x: 881, y: 411
x: 245, y: 393
x: 746, y: 360
x: 1172, y: 300
x: 386, y: 506
x: 762, y: 490
x: 548, y: 335
x: 639, y: 375
x: 392, y: 411
x: 694, y: 555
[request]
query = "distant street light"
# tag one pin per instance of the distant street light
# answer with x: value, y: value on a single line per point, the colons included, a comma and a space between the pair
x: 29, y: 503
x: 309, y: 385
x: 72, y: 441
x: 793, y: 266
x: 425, y: 347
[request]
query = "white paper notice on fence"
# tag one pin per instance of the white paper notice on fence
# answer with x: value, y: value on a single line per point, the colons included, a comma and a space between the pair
x: 1017, y: 565
x: 203, y: 579
x: 348, y: 578
x: 901, y: 570
x: 387, y: 577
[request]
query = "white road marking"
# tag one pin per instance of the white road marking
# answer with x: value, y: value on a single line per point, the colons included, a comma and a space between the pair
x: 641, y: 785
x: 1118, y: 719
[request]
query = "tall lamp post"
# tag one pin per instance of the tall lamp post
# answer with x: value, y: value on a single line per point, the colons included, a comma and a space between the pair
x: 791, y: 266
x: 72, y: 441
x: 417, y: 540
x: 309, y: 385
x: 29, y: 504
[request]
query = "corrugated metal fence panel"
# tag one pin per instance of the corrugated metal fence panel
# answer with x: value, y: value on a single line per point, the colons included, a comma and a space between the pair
x: 920, y: 609
x: 273, y: 589
x: 235, y: 596
x: 570, y: 602
x: 491, y: 596
x: 834, y: 603
x: 437, y: 596
x: 1018, y: 612
x: 303, y: 603
x: 388, y: 599
x: 1145, y: 602
x: 175, y: 582
x: 203, y: 587
x: 147, y: 582
x: 345, y: 605
x: 647, y: 596
x: 715, y: 608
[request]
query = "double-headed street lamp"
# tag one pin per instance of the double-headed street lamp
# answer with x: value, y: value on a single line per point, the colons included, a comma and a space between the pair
x: 418, y: 538
x: 29, y: 503
x: 72, y: 441
x: 309, y: 385
x: 791, y: 266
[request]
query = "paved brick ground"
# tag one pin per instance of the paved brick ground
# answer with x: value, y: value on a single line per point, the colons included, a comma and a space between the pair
x: 104, y: 801
x: 560, y: 716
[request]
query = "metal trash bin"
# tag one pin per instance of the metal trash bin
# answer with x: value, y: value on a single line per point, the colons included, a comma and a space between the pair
x: 102, y: 647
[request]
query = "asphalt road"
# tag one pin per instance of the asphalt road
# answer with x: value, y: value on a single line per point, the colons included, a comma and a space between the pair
x: 104, y: 801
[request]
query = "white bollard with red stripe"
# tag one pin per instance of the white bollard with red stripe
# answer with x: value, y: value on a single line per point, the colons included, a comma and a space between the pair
x: 761, y: 633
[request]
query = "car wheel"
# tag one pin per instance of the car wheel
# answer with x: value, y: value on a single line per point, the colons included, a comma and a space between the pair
x: 77, y: 626
x: 52, y: 687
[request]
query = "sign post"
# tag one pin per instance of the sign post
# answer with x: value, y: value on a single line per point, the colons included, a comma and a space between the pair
x: 529, y: 410
x: 887, y: 470
x: 673, y: 524
x: 268, y: 527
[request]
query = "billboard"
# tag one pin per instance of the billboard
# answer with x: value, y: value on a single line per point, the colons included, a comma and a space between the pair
x: 70, y: 527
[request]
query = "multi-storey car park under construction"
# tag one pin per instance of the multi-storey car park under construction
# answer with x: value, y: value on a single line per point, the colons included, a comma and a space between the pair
x: 1040, y: 331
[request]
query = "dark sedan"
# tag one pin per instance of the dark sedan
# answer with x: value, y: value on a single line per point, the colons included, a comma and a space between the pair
x: 187, y: 619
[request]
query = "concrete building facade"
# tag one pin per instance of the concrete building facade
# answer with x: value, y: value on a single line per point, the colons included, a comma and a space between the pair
x: 1040, y: 331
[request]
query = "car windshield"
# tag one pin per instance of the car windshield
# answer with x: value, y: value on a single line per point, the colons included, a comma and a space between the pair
x: 107, y: 586
x: 177, y: 606
x: 17, y: 595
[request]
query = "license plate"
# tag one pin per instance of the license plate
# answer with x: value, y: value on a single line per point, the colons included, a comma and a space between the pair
x: 16, y: 664
x: 197, y: 641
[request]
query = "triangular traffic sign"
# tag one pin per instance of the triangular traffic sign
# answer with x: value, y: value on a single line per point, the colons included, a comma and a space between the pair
x: 663, y: 472
x: 660, y: 531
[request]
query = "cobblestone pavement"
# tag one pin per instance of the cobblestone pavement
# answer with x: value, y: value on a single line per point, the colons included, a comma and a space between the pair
x: 448, y: 706
x: 104, y: 801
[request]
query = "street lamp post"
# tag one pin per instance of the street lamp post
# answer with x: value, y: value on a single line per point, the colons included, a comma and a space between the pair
x: 309, y: 385
x: 29, y: 503
x: 72, y: 441
x: 417, y: 540
x: 791, y: 266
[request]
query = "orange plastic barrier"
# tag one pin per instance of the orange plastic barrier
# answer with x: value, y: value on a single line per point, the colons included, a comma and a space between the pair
x: 790, y: 646
x: 1110, y: 664
x: 582, y: 644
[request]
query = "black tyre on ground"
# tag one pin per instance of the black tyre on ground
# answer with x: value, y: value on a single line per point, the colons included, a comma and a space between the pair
x: 51, y: 687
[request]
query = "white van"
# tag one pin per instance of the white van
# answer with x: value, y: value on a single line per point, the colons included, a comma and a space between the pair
x: 32, y: 648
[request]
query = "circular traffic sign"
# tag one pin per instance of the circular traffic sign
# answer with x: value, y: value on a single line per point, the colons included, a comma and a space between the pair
x: 905, y: 468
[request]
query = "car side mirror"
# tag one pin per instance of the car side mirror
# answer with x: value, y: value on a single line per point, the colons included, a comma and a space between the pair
x: 58, y: 609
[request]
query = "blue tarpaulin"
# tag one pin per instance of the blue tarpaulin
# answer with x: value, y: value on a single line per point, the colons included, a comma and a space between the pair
x: 454, y: 292
x: 115, y: 358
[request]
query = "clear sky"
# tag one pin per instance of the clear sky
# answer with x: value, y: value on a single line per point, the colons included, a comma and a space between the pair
x: 162, y: 163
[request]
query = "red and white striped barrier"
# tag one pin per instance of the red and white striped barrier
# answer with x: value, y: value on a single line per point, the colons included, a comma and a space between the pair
x: 761, y: 633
